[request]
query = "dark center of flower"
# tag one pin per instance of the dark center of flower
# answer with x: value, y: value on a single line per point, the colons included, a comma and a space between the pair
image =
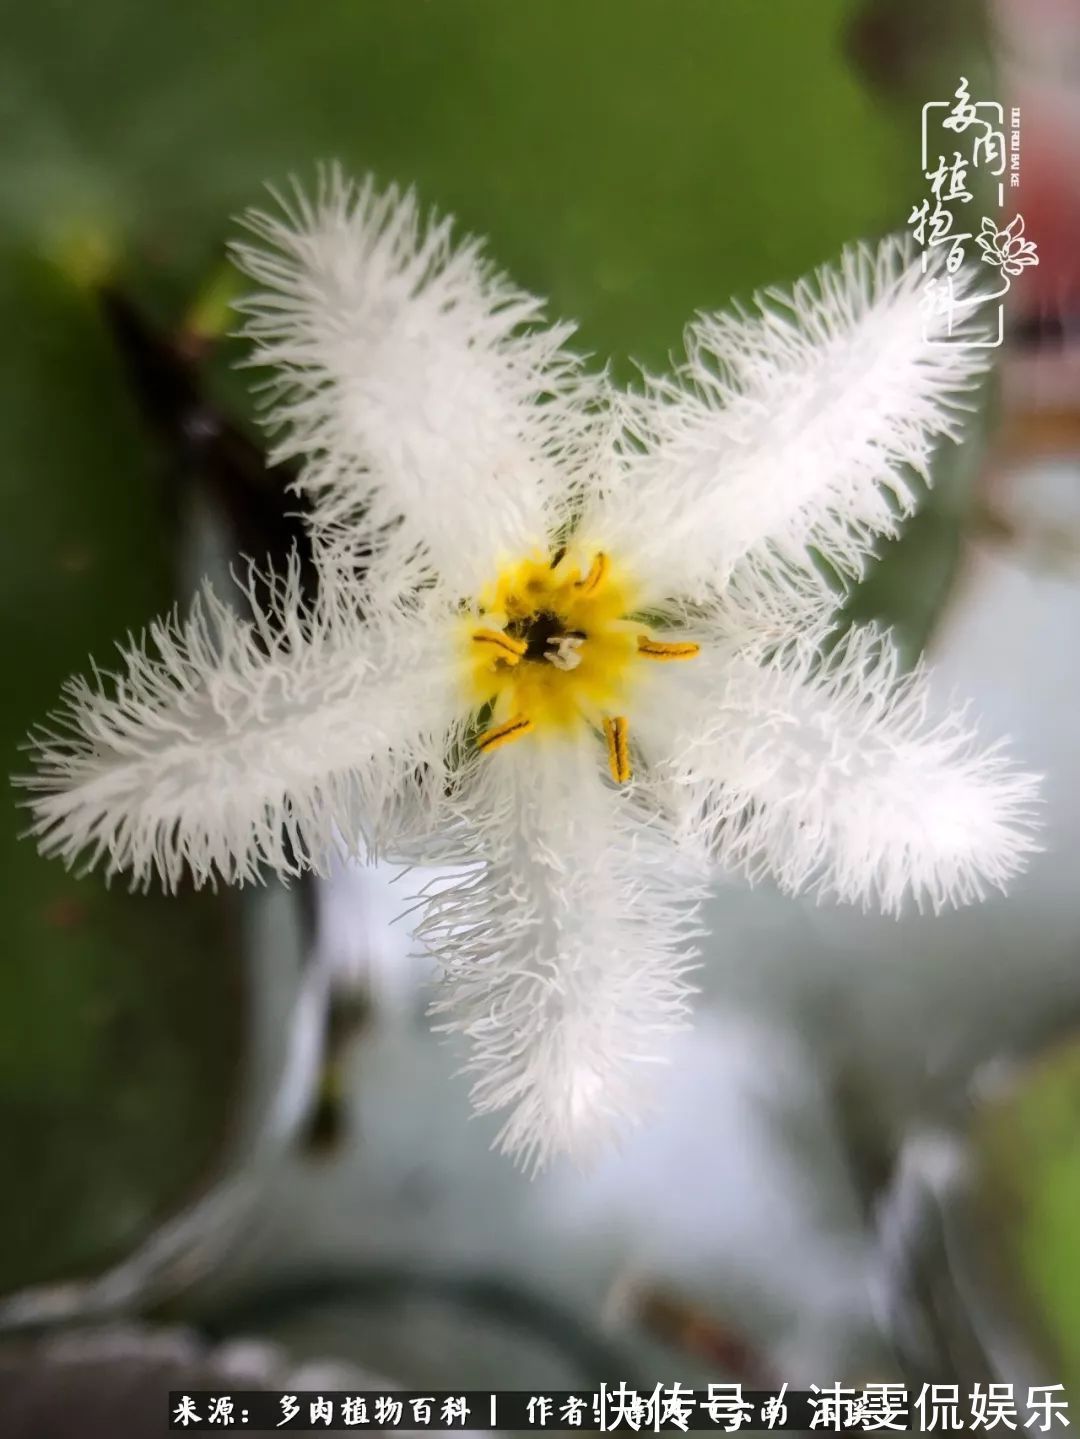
x: 538, y: 631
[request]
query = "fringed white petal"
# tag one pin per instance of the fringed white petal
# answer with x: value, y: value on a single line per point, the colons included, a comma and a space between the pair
x: 565, y: 944
x: 797, y: 427
x: 833, y: 776
x: 227, y: 744
x: 414, y: 380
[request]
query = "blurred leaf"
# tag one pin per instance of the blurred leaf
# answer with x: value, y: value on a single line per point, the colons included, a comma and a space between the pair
x: 633, y: 160
x: 1028, y: 1143
x: 114, y: 1064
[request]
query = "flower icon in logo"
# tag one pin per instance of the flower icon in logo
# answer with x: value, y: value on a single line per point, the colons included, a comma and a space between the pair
x: 1006, y: 249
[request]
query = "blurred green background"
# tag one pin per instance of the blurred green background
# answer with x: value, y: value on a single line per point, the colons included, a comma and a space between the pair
x: 633, y: 160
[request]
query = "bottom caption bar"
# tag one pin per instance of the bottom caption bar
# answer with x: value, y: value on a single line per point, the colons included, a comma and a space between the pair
x: 833, y: 1408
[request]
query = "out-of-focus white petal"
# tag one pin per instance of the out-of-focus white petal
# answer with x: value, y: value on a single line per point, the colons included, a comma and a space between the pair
x: 415, y: 381
x: 797, y: 427
x: 833, y: 776
x: 226, y: 744
x: 565, y: 944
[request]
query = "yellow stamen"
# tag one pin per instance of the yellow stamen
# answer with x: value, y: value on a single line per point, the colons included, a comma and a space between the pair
x: 501, y: 734
x: 617, y: 733
x: 595, y: 578
x: 509, y: 649
x: 666, y: 650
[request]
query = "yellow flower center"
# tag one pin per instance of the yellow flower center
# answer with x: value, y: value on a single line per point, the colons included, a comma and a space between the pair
x: 552, y: 644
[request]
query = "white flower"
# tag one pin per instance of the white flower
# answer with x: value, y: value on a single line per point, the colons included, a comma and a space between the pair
x: 572, y: 642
